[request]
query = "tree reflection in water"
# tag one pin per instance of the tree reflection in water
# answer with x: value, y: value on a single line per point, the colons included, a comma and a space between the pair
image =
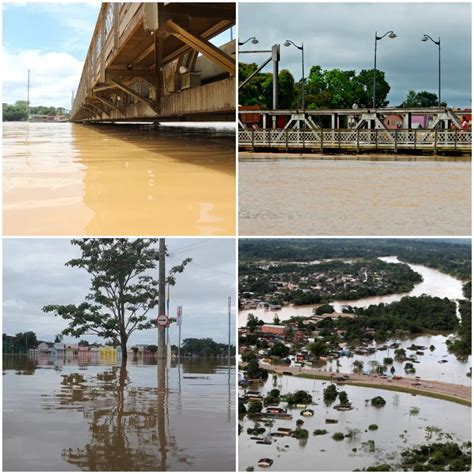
x: 128, y: 425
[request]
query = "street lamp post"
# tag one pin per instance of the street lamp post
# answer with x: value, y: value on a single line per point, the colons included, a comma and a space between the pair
x: 437, y: 43
x: 252, y: 39
x: 301, y: 48
x: 391, y: 35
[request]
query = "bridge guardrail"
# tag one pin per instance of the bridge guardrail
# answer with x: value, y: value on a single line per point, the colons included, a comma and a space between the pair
x: 359, y: 139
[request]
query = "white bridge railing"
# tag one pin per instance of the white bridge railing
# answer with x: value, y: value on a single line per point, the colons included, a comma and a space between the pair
x: 357, y: 139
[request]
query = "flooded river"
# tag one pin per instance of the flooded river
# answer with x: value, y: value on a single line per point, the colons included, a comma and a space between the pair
x: 70, y: 179
x: 313, y: 197
x: 102, y: 418
x: 435, y: 283
x: 398, y: 428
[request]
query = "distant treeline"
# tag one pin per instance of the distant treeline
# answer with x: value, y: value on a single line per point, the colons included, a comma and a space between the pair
x: 205, y: 347
x: 19, y: 343
x: 449, y: 255
x: 18, y: 111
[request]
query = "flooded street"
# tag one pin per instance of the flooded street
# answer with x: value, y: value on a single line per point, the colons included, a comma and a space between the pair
x: 70, y: 179
x: 102, y: 418
x: 299, y: 197
x: 400, y: 426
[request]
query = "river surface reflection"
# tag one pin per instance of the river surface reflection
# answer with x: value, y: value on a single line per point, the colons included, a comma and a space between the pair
x: 398, y: 428
x: 111, y: 418
x: 70, y: 179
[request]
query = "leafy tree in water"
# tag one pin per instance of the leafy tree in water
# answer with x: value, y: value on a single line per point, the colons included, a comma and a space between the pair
x: 122, y: 292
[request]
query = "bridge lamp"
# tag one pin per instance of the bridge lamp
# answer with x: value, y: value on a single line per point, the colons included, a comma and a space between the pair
x: 437, y: 43
x: 288, y: 43
x: 391, y: 35
x: 252, y: 39
x: 183, y: 70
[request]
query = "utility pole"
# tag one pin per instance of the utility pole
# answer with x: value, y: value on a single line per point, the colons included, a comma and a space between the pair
x: 161, y: 354
x: 28, y: 96
x: 229, y: 307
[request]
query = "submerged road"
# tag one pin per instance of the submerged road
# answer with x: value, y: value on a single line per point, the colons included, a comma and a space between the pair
x: 454, y: 392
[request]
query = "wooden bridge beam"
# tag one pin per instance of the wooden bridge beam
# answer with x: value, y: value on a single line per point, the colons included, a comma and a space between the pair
x: 108, y: 104
x: 202, y: 45
x: 99, y: 108
x: 133, y: 94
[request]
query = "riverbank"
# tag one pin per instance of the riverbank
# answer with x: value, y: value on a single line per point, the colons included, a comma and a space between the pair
x: 450, y: 392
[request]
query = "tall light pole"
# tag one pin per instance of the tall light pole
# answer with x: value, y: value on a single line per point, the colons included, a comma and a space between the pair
x: 252, y: 39
x: 391, y: 35
x: 438, y: 43
x: 301, y: 48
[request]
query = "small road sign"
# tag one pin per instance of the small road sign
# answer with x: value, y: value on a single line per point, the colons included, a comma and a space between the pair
x: 162, y: 320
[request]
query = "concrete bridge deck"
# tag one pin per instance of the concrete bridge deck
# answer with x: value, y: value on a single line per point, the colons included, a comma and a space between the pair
x: 150, y: 61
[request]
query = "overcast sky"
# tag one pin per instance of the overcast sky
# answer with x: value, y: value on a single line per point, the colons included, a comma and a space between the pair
x: 341, y: 35
x: 34, y: 275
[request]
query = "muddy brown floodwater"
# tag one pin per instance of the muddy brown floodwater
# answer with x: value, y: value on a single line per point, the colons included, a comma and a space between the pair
x: 61, y: 417
x: 70, y: 179
x: 314, y: 197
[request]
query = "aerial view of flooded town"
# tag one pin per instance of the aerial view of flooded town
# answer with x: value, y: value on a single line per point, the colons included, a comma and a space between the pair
x: 354, y: 354
x: 90, y: 386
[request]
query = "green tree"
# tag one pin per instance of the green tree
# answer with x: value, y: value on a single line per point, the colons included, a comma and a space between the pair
x: 286, y: 89
x: 279, y: 350
x: 122, y: 292
x: 15, y: 113
x: 318, y: 349
x: 364, y: 86
x: 421, y: 99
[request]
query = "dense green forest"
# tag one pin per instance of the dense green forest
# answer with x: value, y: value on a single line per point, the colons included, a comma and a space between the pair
x: 18, y: 112
x: 452, y: 256
x: 337, y: 279
x: 324, y: 89
x: 413, y: 315
x: 462, y: 345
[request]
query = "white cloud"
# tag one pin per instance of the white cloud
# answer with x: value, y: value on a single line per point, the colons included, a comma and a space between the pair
x: 53, y: 76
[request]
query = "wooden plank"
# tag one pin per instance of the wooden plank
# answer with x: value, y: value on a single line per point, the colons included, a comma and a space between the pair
x: 200, y: 44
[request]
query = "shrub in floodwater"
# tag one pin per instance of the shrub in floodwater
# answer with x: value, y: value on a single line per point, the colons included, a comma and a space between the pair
x: 300, y: 433
x: 299, y: 422
x: 380, y: 468
x: 255, y: 406
x: 378, y: 402
x: 414, y: 411
x: 387, y: 360
x: 330, y: 393
x: 299, y: 397
x: 320, y: 432
x: 338, y: 436
x: 373, y: 427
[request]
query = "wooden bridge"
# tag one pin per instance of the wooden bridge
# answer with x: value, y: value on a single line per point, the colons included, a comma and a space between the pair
x: 156, y: 61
